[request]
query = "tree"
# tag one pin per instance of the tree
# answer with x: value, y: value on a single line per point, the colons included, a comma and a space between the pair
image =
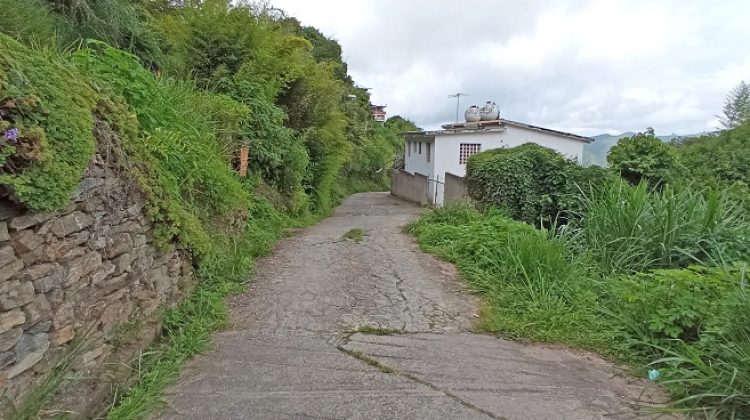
x: 736, y: 106
x: 643, y: 157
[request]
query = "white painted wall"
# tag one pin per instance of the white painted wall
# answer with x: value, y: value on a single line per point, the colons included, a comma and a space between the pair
x: 445, y: 152
x: 568, y: 147
x: 416, y: 162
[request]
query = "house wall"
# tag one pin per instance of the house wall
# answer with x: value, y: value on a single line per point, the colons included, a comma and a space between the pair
x: 416, y: 162
x: 447, y: 147
x: 445, y: 152
x: 571, y: 148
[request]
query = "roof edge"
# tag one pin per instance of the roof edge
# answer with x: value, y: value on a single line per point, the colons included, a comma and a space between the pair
x: 547, y: 130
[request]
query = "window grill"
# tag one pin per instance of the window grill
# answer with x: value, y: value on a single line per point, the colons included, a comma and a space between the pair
x: 466, y: 150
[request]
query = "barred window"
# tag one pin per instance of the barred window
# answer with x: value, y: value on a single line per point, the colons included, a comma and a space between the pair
x: 466, y: 150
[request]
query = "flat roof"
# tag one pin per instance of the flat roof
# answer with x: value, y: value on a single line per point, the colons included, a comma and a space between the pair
x: 494, y: 126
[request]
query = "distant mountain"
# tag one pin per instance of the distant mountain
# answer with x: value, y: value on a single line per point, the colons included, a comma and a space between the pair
x: 595, y: 153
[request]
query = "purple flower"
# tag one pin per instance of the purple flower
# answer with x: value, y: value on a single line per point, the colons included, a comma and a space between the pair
x: 12, y: 135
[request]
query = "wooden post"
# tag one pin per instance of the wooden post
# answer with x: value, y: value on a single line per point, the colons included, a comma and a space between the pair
x: 244, y: 151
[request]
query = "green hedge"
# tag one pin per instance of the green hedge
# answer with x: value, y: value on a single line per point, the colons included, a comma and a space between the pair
x: 530, y: 182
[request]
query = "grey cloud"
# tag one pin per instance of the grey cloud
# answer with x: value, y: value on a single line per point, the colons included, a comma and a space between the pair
x: 616, y: 65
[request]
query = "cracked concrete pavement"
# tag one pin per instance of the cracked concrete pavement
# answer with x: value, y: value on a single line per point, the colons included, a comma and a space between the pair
x: 291, y: 352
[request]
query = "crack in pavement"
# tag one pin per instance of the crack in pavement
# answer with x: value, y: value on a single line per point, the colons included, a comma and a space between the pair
x: 385, y: 368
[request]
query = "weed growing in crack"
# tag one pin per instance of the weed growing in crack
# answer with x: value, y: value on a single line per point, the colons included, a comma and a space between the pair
x: 368, y: 329
x: 356, y: 235
x: 367, y: 359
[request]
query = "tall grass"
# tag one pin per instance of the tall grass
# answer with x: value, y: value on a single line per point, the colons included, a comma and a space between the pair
x: 33, y: 22
x: 595, y: 285
x: 632, y: 229
x: 534, y: 286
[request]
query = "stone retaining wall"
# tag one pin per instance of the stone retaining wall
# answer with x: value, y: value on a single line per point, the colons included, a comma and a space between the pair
x: 70, y: 278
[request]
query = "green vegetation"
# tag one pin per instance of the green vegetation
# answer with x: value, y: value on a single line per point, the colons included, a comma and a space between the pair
x: 175, y: 89
x: 532, y: 285
x: 536, y: 285
x: 49, y: 106
x: 367, y: 329
x: 531, y: 183
x: 355, y: 235
x: 630, y: 229
x: 643, y: 157
x: 651, y: 273
x: 736, y: 109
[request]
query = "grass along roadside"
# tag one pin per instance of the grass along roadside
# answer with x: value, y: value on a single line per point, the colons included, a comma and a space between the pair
x: 689, y: 323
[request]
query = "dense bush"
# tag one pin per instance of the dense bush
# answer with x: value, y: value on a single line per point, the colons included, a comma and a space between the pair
x: 668, y: 304
x: 531, y: 183
x: 722, y: 159
x: 644, y: 157
x: 192, y: 183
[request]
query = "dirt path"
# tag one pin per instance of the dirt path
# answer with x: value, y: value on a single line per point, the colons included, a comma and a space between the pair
x: 291, y: 352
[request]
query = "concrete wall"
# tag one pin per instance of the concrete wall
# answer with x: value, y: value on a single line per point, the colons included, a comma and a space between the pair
x: 69, y: 279
x: 455, y: 189
x: 410, y: 187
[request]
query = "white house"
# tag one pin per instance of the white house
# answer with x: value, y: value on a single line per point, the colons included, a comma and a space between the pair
x: 435, y: 153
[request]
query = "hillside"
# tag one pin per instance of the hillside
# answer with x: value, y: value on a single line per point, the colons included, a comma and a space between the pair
x: 123, y: 128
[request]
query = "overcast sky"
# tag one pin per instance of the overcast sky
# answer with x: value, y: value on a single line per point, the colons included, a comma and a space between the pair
x: 583, y: 66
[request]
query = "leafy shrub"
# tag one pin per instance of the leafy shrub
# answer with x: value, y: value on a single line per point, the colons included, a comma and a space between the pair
x: 693, y: 325
x: 531, y: 183
x: 631, y: 229
x: 644, y: 157
x: 51, y: 107
x: 278, y: 154
x: 668, y: 304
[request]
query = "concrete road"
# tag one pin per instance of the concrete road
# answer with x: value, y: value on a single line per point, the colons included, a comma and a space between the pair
x: 292, y: 352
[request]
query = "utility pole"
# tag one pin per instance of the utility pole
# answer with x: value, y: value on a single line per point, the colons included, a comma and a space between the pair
x: 458, y: 101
